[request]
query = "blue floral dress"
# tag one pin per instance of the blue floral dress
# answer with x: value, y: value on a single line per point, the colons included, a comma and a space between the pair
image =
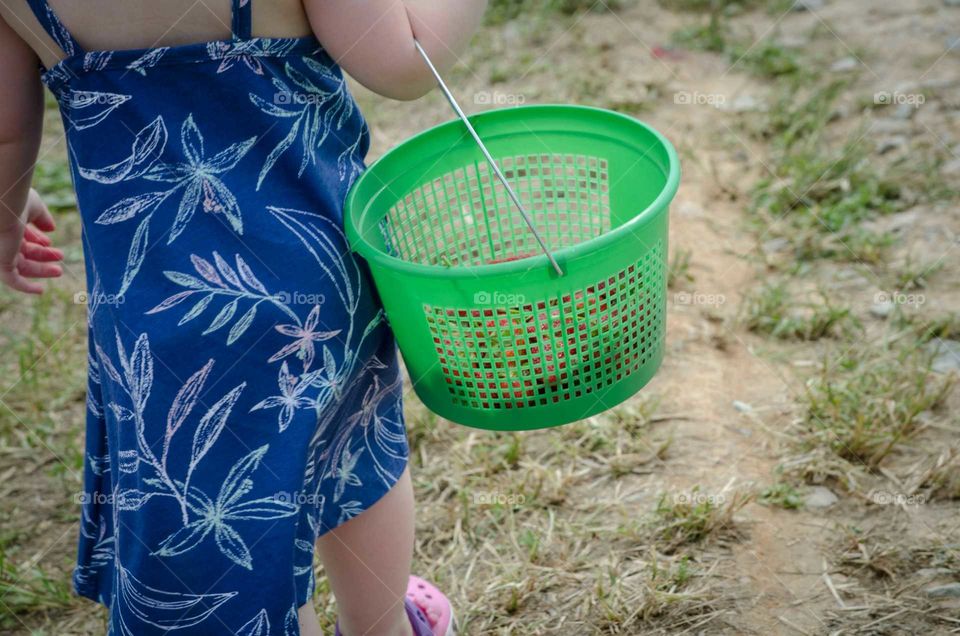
x: 244, y: 390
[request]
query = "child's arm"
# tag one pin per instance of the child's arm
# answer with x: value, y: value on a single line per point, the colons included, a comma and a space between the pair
x: 25, y: 250
x: 373, y: 39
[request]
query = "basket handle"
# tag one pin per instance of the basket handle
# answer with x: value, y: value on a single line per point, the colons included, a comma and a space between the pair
x: 486, y: 153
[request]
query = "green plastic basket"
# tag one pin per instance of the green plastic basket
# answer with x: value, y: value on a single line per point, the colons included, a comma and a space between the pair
x: 491, y: 336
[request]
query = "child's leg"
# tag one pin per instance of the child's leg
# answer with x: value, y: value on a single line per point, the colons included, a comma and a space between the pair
x: 367, y: 560
x: 309, y: 623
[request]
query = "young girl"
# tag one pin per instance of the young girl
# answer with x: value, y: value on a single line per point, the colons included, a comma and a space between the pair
x: 244, y: 402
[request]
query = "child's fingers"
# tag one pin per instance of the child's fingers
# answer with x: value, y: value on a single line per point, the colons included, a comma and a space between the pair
x: 39, y: 214
x: 44, y: 220
x: 34, y: 269
x: 34, y: 235
x: 42, y: 253
x: 14, y: 281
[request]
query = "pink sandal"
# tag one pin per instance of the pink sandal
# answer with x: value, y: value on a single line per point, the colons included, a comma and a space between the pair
x: 433, y: 604
x: 428, y: 609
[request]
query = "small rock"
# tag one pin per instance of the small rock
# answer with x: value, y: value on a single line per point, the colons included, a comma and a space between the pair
x: 947, y: 354
x: 896, y: 223
x: 776, y: 245
x: 882, y: 309
x: 904, y: 111
x: 511, y: 32
x: 887, y: 144
x: 743, y: 407
x: 838, y: 113
x: 807, y: 5
x: 889, y: 126
x: 848, y: 273
x: 793, y: 40
x: 930, y: 84
x: 904, y: 88
x: 950, y: 590
x: 951, y: 167
x: 929, y: 573
x: 744, y: 104
x: 820, y: 497
x: 845, y: 64
x: 924, y: 419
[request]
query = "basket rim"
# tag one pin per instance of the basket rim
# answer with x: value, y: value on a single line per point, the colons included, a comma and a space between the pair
x: 364, y: 248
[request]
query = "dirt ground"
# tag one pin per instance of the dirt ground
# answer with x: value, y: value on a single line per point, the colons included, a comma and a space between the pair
x: 589, y: 543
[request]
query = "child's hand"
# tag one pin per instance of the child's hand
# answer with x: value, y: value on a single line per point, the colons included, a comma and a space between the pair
x: 25, y: 250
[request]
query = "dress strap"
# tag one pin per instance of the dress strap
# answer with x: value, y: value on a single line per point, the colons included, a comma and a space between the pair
x: 242, y: 19
x: 54, y: 27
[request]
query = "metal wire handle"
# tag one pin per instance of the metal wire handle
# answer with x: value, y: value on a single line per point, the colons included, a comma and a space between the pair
x: 490, y: 160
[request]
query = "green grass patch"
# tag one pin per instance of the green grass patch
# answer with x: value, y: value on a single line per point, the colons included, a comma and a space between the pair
x: 799, y: 115
x: 914, y: 274
x: 712, y: 36
x: 688, y: 518
x: 678, y: 271
x: 766, y: 59
x: 865, y: 402
x: 725, y: 7
x: 774, y: 311
x: 51, y: 178
x: 501, y: 11
x: 944, y: 326
x: 816, y: 194
x: 781, y: 495
x: 28, y: 589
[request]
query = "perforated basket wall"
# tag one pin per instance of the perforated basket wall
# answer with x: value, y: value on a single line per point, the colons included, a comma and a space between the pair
x: 465, y: 217
x: 525, y: 352
x: 547, y: 350
x: 492, y: 337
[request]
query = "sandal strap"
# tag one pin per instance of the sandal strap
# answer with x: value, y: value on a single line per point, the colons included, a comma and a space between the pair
x: 421, y: 626
x: 418, y: 620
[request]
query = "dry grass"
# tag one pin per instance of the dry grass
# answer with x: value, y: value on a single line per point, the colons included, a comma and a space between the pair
x: 887, y: 572
x: 539, y: 534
